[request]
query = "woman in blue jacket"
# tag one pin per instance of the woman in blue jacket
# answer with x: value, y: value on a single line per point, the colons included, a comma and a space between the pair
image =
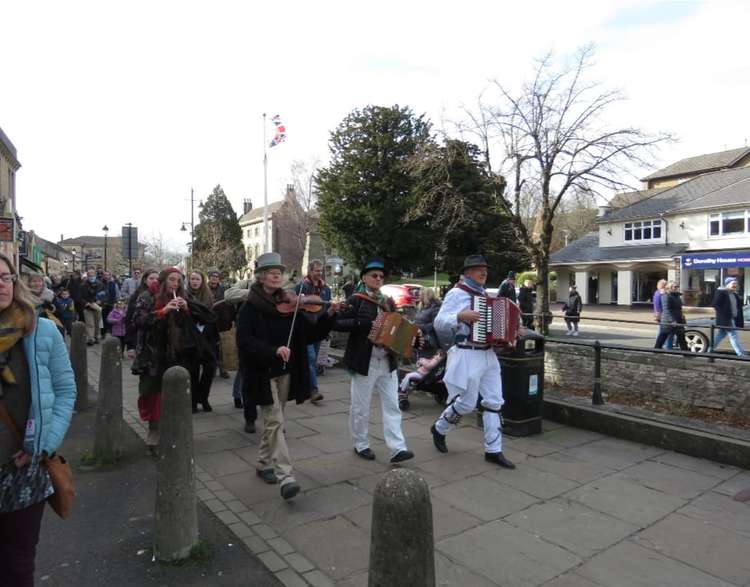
x: 38, y: 391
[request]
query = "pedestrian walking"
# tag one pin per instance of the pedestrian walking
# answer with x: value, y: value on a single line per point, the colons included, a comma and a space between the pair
x: 728, y: 307
x: 202, y: 371
x: 148, y: 279
x: 116, y: 322
x: 314, y: 285
x: 672, y: 318
x: 272, y: 344
x: 508, y: 287
x: 572, y: 309
x: 526, y: 303
x: 235, y: 296
x: 36, y: 404
x: 92, y: 306
x: 109, y: 299
x: 372, y: 368
x: 65, y: 310
x: 658, y: 296
x: 131, y: 284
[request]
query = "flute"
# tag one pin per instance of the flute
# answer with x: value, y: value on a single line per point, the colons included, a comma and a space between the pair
x: 174, y: 295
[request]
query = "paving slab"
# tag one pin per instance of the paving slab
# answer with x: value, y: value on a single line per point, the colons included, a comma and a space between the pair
x: 450, y: 574
x: 669, y: 479
x: 702, y: 466
x: 614, y: 453
x: 626, y: 500
x: 570, y: 466
x: 630, y: 565
x: 486, y: 501
x: 220, y: 440
x: 734, y: 484
x: 223, y: 463
x: 540, y: 484
x: 506, y: 555
x: 720, y: 552
x: 568, y: 437
x: 573, y: 526
x: 720, y: 510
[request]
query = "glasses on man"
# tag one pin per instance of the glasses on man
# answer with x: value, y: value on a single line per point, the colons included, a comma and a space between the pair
x: 376, y: 275
x: 8, y: 277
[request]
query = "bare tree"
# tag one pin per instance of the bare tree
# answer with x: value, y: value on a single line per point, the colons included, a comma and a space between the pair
x: 159, y: 253
x: 554, y: 139
x: 302, y: 211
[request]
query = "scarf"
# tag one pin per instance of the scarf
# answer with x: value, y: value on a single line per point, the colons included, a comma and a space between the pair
x: 12, y: 324
x: 315, y: 285
x: 262, y: 301
x: 470, y: 283
x: 377, y: 296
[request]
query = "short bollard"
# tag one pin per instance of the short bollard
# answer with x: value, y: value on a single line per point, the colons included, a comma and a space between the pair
x: 79, y: 362
x: 402, y: 550
x: 109, y: 422
x: 176, y: 515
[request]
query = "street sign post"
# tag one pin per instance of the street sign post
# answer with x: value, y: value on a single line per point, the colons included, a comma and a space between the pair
x: 130, y: 244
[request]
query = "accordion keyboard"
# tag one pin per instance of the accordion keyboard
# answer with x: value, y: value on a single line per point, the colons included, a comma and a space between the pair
x: 480, y: 327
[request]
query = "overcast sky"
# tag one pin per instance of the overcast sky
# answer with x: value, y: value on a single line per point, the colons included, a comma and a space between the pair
x: 118, y: 109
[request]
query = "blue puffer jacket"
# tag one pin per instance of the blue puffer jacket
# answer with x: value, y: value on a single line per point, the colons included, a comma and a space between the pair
x: 53, y: 387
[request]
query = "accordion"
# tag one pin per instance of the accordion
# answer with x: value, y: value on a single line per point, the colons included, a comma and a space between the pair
x: 498, y: 322
x: 392, y: 331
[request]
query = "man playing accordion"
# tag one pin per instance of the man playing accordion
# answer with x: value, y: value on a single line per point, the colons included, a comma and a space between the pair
x: 473, y: 369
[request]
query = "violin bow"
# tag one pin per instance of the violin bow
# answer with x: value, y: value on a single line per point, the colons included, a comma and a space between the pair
x: 294, y: 319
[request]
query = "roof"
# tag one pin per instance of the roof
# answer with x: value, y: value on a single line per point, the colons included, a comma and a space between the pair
x: 624, y: 199
x: 587, y: 250
x: 720, y: 188
x: 8, y: 147
x: 92, y: 241
x: 257, y: 213
x: 700, y: 163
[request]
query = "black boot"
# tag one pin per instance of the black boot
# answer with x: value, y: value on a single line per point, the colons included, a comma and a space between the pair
x: 438, y: 440
x: 499, y: 459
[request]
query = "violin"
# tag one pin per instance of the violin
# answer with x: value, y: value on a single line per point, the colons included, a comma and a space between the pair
x: 307, y: 303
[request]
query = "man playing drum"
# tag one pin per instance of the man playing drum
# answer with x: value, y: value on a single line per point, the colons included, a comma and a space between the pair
x: 472, y: 369
x: 371, y: 367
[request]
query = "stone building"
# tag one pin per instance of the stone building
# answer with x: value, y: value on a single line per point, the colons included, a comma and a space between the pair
x: 88, y: 251
x: 691, y: 224
x: 9, y: 165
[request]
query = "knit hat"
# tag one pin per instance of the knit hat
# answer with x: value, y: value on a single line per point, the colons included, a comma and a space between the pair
x: 728, y: 280
x: 213, y: 271
x: 164, y: 273
x: 372, y: 265
x: 511, y: 274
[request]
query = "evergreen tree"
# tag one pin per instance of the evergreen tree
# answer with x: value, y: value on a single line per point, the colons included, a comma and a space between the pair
x: 455, y: 198
x: 218, y: 236
x: 366, y: 192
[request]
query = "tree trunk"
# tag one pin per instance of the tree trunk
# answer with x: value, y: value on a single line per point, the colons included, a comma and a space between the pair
x: 541, y: 260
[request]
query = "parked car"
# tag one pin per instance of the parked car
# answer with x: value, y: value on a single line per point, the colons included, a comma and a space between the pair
x: 404, y: 295
x: 697, y: 331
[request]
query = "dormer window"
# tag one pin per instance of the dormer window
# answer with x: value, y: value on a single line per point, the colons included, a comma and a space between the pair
x: 643, y: 230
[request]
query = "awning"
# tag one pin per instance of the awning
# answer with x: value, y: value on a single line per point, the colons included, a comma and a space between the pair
x: 715, y: 260
x: 30, y: 265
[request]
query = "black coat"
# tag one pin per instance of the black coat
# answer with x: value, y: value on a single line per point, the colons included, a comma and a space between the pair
x: 507, y: 290
x: 574, y: 305
x: 526, y: 299
x: 723, y: 308
x: 672, y: 308
x: 357, y: 321
x: 259, y: 334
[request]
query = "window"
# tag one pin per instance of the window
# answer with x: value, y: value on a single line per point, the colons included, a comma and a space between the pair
x: 645, y: 230
x: 257, y: 230
x: 729, y: 223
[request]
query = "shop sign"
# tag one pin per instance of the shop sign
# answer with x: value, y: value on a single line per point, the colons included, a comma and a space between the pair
x: 720, y: 260
x: 6, y: 229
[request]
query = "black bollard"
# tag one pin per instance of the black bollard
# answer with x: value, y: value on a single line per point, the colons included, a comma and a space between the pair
x: 176, y: 515
x: 402, y: 549
x: 109, y: 422
x: 79, y: 362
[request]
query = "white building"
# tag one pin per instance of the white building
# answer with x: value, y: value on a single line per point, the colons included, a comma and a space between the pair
x: 692, y: 225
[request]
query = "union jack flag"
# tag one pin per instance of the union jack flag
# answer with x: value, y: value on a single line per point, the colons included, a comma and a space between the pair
x: 280, y: 131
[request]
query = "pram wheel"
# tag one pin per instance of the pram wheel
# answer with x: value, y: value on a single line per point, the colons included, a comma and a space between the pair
x: 404, y: 404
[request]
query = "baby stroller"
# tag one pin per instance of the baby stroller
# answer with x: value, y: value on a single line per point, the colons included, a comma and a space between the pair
x: 431, y: 383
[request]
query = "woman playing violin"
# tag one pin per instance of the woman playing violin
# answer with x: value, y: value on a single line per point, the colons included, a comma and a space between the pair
x: 272, y: 339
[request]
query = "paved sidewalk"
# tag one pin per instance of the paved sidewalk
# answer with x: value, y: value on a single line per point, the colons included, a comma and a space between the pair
x: 581, y: 508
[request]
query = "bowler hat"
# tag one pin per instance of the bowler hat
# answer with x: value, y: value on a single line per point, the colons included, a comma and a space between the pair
x: 474, y: 261
x: 372, y: 265
x: 268, y: 261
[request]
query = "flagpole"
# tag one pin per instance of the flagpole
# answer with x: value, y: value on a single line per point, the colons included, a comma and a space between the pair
x: 265, y: 187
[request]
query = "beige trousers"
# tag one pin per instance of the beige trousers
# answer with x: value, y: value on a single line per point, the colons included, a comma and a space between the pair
x: 273, y: 449
x: 93, y: 316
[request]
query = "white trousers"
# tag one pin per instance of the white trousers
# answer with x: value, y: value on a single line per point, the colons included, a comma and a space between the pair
x: 471, y: 373
x: 386, y: 382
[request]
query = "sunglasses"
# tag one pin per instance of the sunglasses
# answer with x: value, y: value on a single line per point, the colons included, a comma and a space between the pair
x: 376, y: 275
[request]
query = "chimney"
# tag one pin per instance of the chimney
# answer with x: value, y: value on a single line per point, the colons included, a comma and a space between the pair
x: 604, y: 211
x: 247, y: 205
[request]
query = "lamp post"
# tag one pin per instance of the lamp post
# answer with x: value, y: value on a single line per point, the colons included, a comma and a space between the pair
x: 105, y: 228
x: 192, y: 227
x: 73, y: 252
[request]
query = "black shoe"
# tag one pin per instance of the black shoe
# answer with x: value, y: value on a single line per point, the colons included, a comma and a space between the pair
x: 238, y: 403
x: 267, y: 475
x: 207, y: 407
x: 401, y: 456
x: 224, y: 374
x: 366, y: 454
x: 250, y: 427
x: 499, y: 459
x: 438, y: 440
x: 289, y: 490
x: 316, y: 397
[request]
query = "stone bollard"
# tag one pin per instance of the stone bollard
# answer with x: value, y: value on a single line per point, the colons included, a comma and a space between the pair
x: 176, y: 514
x: 109, y: 422
x: 402, y: 550
x: 79, y: 362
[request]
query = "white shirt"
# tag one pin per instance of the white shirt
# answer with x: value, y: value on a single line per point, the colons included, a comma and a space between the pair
x: 447, y: 324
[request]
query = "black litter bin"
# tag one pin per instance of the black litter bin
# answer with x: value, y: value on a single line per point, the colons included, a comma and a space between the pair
x: 523, y: 385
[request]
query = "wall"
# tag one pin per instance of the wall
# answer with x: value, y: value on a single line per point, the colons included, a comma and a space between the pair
x: 653, y: 377
x: 696, y: 233
x: 617, y: 238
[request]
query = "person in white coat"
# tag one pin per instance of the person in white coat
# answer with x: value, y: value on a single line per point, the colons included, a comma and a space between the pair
x: 472, y: 369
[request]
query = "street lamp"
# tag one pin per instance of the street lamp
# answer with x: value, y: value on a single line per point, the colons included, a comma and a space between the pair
x: 73, y: 252
x: 105, y: 228
x: 192, y: 225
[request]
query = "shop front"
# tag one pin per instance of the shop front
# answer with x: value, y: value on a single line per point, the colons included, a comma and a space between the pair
x: 703, y: 273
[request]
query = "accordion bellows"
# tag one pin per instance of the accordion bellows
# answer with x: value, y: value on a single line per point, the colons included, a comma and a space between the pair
x: 392, y: 331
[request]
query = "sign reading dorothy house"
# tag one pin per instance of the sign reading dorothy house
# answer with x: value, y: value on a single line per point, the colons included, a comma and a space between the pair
x: 718, y: 260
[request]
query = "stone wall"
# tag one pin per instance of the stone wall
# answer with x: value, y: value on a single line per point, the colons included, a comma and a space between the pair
x: 689, y: 381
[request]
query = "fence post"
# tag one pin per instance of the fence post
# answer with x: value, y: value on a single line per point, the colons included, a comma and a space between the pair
x: 79, y: 362
x: 402, y: 546
x: 596, y: 397
x: 109, y: 422
x: 176, y: 514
